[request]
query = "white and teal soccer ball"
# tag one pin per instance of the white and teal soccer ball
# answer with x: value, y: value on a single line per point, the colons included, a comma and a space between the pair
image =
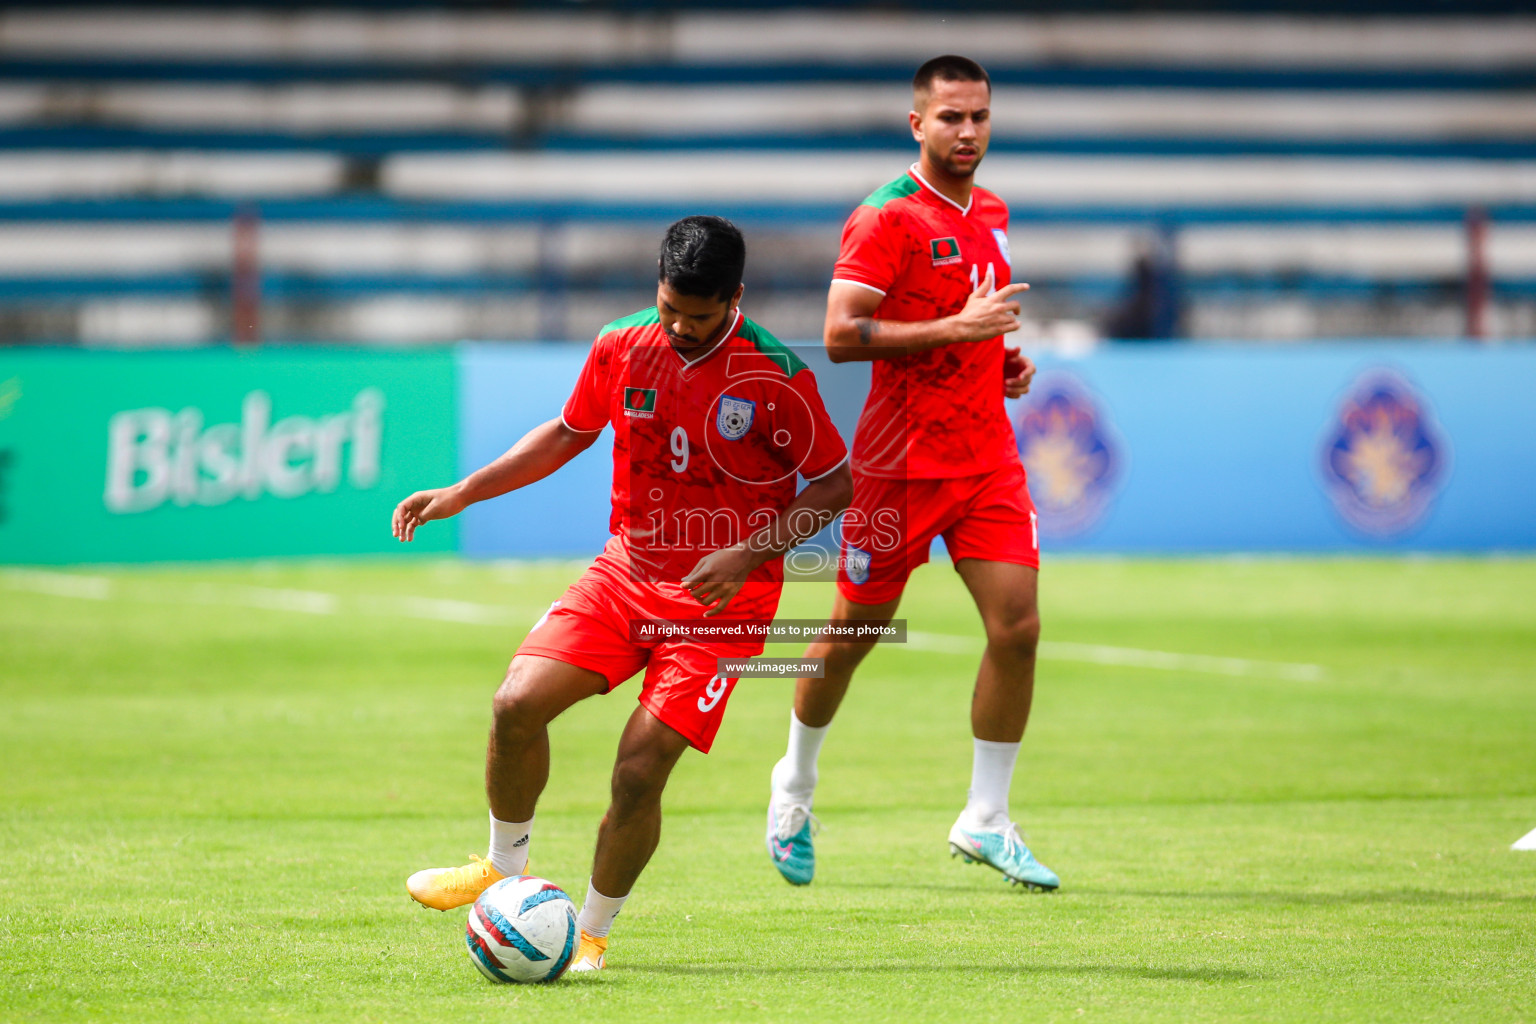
x: 522, y: 929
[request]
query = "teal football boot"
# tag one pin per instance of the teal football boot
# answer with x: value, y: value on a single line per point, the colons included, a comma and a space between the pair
x: 790, y: 828
x: 1004, y: 850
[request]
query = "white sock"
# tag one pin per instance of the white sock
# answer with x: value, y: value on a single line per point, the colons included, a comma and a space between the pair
x: 509, y: 845
x: 598, y: 912
x: 795, y: 774
x: 986, y: 804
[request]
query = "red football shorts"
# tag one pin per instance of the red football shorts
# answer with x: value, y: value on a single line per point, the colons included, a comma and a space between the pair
x: 589, y: 627
x: 891, y: 524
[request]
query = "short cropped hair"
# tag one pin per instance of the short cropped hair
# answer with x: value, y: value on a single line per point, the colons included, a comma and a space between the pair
x: 948, y: 68
x: 703, y: 257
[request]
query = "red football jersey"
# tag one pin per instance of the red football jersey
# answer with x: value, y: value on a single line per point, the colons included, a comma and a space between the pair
x: 937, y: 413
x: 706, y: 452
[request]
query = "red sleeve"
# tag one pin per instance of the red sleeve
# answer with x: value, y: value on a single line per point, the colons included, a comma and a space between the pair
x: 873, y: 251
x: 587, y: 409
x: 816, y: 446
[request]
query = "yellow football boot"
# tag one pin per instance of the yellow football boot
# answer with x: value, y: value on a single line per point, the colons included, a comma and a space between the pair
x: 446, y: 888
x: 592, y: 954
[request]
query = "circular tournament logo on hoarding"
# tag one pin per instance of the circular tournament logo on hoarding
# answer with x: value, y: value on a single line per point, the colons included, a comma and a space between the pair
x: 1072, y: 455
x: 1384, y: 457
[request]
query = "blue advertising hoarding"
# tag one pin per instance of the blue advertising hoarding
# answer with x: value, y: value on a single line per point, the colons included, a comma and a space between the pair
x: 504, y: 392
x: 1324, y: 447
x: 1360, y: 446
x: 1136, y: 449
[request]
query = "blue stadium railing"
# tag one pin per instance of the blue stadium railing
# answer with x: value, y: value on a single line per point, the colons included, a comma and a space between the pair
x: 66, y: 137
x: 387, y: 209
x: 564, y: 75
x: 555, y: 78
x: 42, y: 290
x: 308, y: 287
x: 1327, y: 8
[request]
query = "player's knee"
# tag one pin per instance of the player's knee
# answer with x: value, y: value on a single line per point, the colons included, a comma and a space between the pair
x: 1019, y: 633
x: 514, y: 709
x: 637, y: 783
x: 843, y: 658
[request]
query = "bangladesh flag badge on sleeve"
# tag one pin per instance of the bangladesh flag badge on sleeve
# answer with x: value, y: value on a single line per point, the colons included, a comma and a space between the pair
x: 944, y: 251
x: 640, y: 402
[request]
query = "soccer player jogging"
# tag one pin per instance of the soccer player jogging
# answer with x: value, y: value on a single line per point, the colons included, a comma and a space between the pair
x: 713, y: 420
x: 922, y: 288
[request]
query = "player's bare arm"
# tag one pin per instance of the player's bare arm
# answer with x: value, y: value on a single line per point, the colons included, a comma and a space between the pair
x: 852, y: 334
x: 720, y: 574
x: 539, y: 453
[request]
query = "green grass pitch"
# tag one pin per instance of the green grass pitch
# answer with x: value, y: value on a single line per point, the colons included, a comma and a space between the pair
x: 216, y: 779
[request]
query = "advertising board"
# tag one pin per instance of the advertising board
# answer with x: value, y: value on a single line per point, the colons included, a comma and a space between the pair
x: 168, y: 456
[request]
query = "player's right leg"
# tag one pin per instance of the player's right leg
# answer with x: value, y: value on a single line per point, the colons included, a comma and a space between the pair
x: 792, y: 789
x: 1006, y: 595
x: 535, y: 691
x: 630, y: 830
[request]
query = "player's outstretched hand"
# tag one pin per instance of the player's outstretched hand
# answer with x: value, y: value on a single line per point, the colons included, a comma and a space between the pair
x: 423, y: 507
x: 1018, y: 372
x: 718, y: 577
x: 988, y: 313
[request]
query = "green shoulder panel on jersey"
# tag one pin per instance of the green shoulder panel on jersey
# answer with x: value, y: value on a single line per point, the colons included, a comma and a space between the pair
x: 902, y: 186
x: 640, y: 319
x: 771, y: 348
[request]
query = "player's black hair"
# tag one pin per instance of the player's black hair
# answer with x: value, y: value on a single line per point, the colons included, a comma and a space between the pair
x: 948, y: 68
x: 703, y: 257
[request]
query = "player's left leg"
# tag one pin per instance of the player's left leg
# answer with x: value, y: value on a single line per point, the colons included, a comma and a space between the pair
x: 535, y: 690
x: 873, y: 568
x: 630, y: 830
x: 1006, y: 595
x: 792, y: 782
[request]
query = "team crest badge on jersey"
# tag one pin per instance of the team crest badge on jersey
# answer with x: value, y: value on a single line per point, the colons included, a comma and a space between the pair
x: 640, y: 403
x: 1384, y: 458
x: 1001, y: 237
x: 944, y: 251
x: 1071, y: 453
x: 856, y: 562
x: 734, y: 418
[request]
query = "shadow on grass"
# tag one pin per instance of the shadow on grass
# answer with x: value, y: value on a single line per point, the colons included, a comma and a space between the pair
x: 1103, y: 970
x: 1420, y: 897
x: 960, y: 886
x: 1413, y: 897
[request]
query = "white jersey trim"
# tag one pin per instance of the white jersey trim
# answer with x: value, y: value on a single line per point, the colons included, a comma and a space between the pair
x: 577, y: 430
x: 861, y: 284
x: 696, y: 360
x: 963, y: 209
x: 834, y: 469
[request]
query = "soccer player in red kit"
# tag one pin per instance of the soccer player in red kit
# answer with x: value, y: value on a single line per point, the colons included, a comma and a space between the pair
x: 713, y: 422
x: 922, y: 288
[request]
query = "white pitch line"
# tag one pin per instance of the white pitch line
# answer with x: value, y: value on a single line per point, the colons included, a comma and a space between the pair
x: 315, y: 602
x: 1134, y: 657
x: 943, y: 643
x: 446, y: 610
x: 1102, y: 655
x: 309, y: 602
x: 279, y: 599
x: 1526, y: 842
x: 58, y: 584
